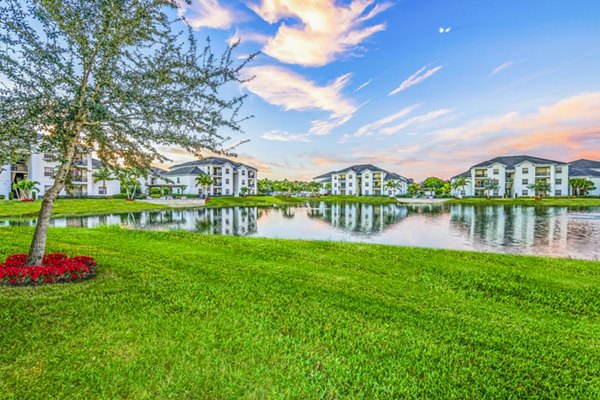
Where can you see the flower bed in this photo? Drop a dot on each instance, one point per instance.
(55, 268)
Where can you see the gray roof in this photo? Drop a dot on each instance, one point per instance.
(466, 174)
(583, 172)
(584, 167)
(213, 161)
(511, 161)
(362, 167)
(191, 170)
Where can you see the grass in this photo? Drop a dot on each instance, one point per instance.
(530, 201)
(180, 315)
(74, 207)
(268, 201)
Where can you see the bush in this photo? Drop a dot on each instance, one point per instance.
(55, 268)
(2, 197)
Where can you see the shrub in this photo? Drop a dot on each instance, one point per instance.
(55, 268)
(2, 197)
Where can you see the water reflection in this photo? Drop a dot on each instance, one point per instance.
(552, 231)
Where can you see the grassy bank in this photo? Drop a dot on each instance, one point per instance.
(268, 201)
(530, 201)
(74, 207)
(180, 315)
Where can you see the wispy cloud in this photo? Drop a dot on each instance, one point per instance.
(248, 37)
(281, 136)
(284, 88)
(416, 120)
(373, 127)
(364, 85)
(445, 30)
(206, 14)
(502, 67)
(416, 78)
(327, 30)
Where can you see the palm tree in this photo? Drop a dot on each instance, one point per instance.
(541, 187)
(24, 189)
(244, 191)
(490, 185)
(581, 186)
(102, 175)
(204, 181)
(459, 183)
(391, 186)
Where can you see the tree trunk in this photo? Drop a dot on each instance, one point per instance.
(38, 243)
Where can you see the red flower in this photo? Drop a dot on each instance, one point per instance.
(56, 267)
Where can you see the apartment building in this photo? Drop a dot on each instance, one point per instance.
(41, 168)
(513, 175)
(586, 169)
(228, 177)
(364, 180)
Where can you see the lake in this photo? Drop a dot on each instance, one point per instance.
(546, 231)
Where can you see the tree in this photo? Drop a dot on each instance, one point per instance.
(391, 186)
(25, 188)
(102, 175)
(490, 185)
(459, 184)
(433, 184)
(130, 181)
(328, 187)
(541, 187)
(204, 181)
(581, 186)
(114, 77)
(414, 189)
(265, 186)
(244, 191)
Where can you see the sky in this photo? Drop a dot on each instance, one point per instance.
(418, 87)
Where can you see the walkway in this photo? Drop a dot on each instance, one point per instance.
(177, 203)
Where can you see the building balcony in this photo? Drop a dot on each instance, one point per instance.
(19, 168)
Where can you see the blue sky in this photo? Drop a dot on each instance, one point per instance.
(418, 87)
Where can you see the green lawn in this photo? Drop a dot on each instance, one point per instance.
(181, 315)
(530, 201)
(74, 207)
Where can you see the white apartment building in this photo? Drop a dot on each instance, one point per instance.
(586, 169)
(514, 174)
(229, 177)
(364, 180)
(41, 167)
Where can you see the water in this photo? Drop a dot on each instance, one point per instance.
(547, 231)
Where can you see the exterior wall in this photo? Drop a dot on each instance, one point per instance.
(525, 174)
(365, 183)
(5, 181)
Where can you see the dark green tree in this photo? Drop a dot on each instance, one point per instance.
(117, 77)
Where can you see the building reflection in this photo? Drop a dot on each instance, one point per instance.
(509, 226)
(363, 218)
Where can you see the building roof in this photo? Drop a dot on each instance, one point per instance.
(191, 170)
(363, 167)
(583, 172)
(213, 161)
(466, 174)
(511, 161)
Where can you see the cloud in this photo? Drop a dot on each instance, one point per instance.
(373, 127)
(419, 119)
(502, 67)
(248, 37)
(325, 30)
(280, 136)
(416, 78)
(286, 89)
(364, 85)
(205, 14)
(445, 30)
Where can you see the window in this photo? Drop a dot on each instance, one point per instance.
(227, 170)
(227, 181)
(558, 170)
(48, 171)
(558, 181)
(525, 192)
(350, 184)
(367, 192)
(227, 190)
(243, 182)
(525, 170)
(367, 184)
(178, 180)
(243, 172)
(101, 190)
(525, 181)
(558, 192)
(335, 185)
(496, 171)
(49, 157)
(367, 176)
